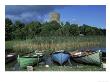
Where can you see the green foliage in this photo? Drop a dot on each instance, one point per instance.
(19, 30)
(54, 43)
(49, 29)
(8, 29)
(32, 29)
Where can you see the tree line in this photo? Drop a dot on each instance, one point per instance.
(20, 30)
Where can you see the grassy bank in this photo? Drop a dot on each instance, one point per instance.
(55, 43)
(79, 67)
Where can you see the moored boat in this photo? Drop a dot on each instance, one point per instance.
(60, 56)
(88, 57)
(10, 57)
(29, 59)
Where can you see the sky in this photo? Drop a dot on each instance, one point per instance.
(93, 15)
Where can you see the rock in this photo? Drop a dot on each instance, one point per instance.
(46, 65)
(104, 65)
(29, 68)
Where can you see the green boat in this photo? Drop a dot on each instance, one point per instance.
(93, 58)
(29, 60)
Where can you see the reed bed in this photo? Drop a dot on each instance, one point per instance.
(55, 43)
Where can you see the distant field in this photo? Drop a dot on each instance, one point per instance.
(55, 43)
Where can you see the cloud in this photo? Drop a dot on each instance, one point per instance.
(26, 17)
(27, 13)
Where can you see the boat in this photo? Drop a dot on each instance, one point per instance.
(60, 56)
(88, 57)
(104, 57)
(29, 59)
(10, 57)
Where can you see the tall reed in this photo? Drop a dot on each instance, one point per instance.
(55, 43)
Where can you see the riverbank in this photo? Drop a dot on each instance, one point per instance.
(13, 66)
(50, 44)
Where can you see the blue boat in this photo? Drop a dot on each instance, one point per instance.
(60, 57)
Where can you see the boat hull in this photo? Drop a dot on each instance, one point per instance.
(11, 58)
(60, 57)
(25, 61)
(94, 58)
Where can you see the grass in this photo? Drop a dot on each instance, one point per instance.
(55, 43)
(69, 68)
(50, 44)
(79, 67)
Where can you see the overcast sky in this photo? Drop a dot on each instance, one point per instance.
(94, 15)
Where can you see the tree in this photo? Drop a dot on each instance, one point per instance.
(74, 29)
(65, 29)
(32, 29)
(19, 24)
(19, 30)
(8, 29)
(50, 28)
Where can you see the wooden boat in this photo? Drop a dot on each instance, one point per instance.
(104, 57)
(88, 57)
(29, 59)
(60, 56)
(10, 57)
